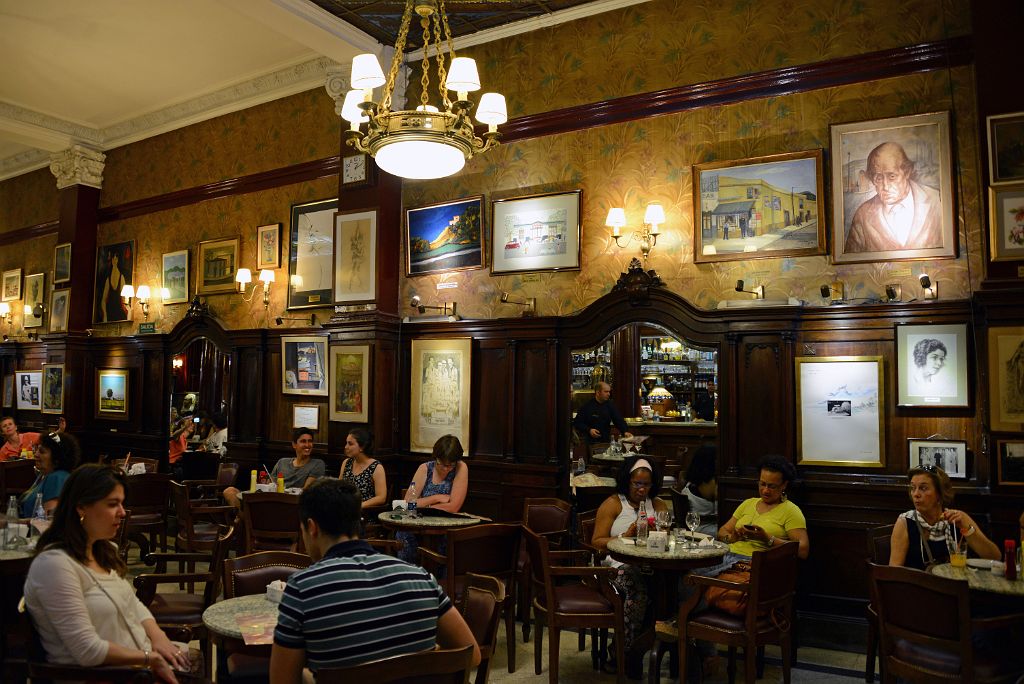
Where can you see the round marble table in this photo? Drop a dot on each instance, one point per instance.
(221, 617)
(677, 557)
(426, 524)
(981, 579)
(15, 554)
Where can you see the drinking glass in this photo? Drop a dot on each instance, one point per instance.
(692, 522)
(663, 520)
(957, 551)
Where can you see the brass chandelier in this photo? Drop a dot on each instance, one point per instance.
(430, 141)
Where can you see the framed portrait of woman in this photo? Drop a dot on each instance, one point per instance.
(115, 265)
(931, 364)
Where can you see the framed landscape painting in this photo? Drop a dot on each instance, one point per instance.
(53, 388)
(355, 256)
(218, 262)
(62, 263)
(931, 363)
(112, 393)
(444, 237)
(304, 365)
(11, 285)
(440, 396)
(350, 383)
(115, 268)
(311, 257)
(1006, 378)
(174, 276)
(536, 233)
(1006, 148)
(28, 385)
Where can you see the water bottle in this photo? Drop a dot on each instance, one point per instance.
(641, 526)
(38, 515)
(410, 499)
(11, 519)
(581, 466)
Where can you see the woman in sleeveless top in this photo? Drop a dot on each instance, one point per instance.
(367, 473)
(441, 483)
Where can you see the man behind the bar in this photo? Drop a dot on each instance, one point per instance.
(594, 419)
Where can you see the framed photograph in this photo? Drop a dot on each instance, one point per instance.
(62, 263)
(11, 285)
(59, 308)
(53, 388)
(268, 246)
(758, 208)
(218, 262)
(8, 391)
(839, 419)
(1006, 222)
(440, 392)
(444, 237)
(174, 276)
(1011, 461)
(115, 268)
(1006, 148)
(112, 393)
(304, 365)
(35, 293)
(536, 233)
(892, 190)
(350, 383)
(948, 454)
(28, 385)
(355, 256)
(1006, 378)
(357, 171)
(306, 415)
(311, 259)
(931, 363)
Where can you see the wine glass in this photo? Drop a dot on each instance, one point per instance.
(663, 520)
(692, 522)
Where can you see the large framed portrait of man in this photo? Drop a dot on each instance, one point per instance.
(892, 190)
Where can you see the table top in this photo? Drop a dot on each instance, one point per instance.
(677, 557)
(591, 480)
(982, 579)
(14, 554)
(221, 616)
(401, 520)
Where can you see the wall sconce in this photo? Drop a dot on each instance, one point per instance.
(143, 294)
(177, 362)
(931, 289)
(647, 235)
(530, 303)
(893, 293)
(451, 315)
(244, 276)
(758, 291)
(835, 292)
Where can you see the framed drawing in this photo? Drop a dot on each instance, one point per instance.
(11, 285)
(174, 276)
(892, 190)
(311, 259)
(304, 365)
(931, 363)
(444, 237)
(28, 385)
(350, 383)
(8, 391)
(59, 310)
(268, 246)
(53, 388)
(536, 233)
(440, 392)
(62, 263)
(840, 411)
(355, 256)
(35, 293)
(1006, 222)
(306, 415)
(218, 261)
(1005, 148)
(112, 393)
(1006, 378)
(757, 208)
(115, 267)
(948, 454)
(1011, 461)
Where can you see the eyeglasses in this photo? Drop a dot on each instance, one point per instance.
(769, 485)
(639, 485)
(927, 467)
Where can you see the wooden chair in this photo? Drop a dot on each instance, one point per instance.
(680, 505)
(227, 474)
(152, 464)
(481, 607)
(16, 477)
(147, 496)
(196, 534)
(879, 545)
(550, 518)
(271, 521)
(429, 667)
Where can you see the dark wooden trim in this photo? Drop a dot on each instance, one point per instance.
(871, 66)
(12, 237)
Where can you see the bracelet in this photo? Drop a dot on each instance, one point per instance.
(771, 541)
(146, 662)
(969, 531)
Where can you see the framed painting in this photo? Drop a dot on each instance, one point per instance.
(35, 293)
(758, 208)
(174, 276)
(62, 263)
(311, 258)
(28, 385)
(1006, 222)
(53, 388)
(11, 285)
(112, 393)
(306, 416)
(350, 383)
(218, 262)
(536, 233)
(444, 237)
(115, 268)
(1005, 148)
(59, 310)
(8, 391)
(840, 411)
(892, 190)
(1006, 378)
(440, 393)
(948, 454)
(304, 365)
(931, 363)
(355, 256)
(1011, 461)
(268, 246)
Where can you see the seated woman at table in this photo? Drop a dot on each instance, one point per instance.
(440, 483)
(56, 456)
(920, 535)
(638, 481)
(365, 472)
(701, 490)
(84, 609)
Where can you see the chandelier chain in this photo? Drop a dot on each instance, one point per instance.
(442, 74)
(396, 60)
(425, 63)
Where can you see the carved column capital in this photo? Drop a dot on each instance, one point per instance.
(78, 165)
(337, 85)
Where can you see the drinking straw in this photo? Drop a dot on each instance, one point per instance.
(127, 458)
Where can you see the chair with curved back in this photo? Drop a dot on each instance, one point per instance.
(227, 474)
(198, 524)
(451, 666)
(271, 521)
(147, 496)
(481, 607)
(548, 517)
(879, 545)
(16, 476)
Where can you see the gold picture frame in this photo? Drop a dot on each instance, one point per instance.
(440, 392)
(350, 383)
(112, 393)
(53, 388)
(1005, 362)
(218, 262)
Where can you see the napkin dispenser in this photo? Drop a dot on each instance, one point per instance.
(275, 591)
(657, 541)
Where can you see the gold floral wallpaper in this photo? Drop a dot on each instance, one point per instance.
(27, 200)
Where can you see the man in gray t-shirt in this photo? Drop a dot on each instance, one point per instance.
(298, 471)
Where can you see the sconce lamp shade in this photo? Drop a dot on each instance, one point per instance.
(366, 72)
(143, 292)
(492, 109)
(127, 292)
(266, 276)
(616, 217)
(350, 110)
(655, 214)
(243, 276)
(28, 310)
(462, 75)
(5, 309)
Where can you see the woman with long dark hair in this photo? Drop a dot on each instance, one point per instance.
(362, 469)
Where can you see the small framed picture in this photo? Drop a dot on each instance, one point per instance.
(306, 416)
(53, 388)
(174, 276)
(931, 362)
(1006, 222)
(536, 233)
(1006, 148)
(35, 292)
(1005, 368)
(1011, 461)
(268, 246)
(443, 237)
(355, 256)
(62, 263)
(304, 365)
(112, 393)
(11, 285)
(8, 391)
(218, 261)
(59, 310)
(28, 387)
(948, 454)
(350, 383)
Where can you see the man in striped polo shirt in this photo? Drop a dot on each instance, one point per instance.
(354, 605)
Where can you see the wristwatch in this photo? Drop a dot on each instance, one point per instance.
(771, 541)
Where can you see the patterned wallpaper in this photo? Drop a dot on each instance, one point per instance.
(27, 200)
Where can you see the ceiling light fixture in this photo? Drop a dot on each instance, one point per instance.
(429, 141)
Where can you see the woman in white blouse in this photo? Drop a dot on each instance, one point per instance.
(86, 613)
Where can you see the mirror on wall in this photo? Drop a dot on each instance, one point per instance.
(679, 379)
(200, 382)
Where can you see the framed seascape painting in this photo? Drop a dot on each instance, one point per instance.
(8, 391)
(35, 293)
(1006, 378)
(948, 454)
(311, 257)
(350, 383)
(840, 411)
(304, 365)
(1011, 461)
(931, 362)
(355, 256)
(28, 385)
(762, 207)
(115, 267)
(1006, 148)
(892, 190)
(1006, 222)
(536, 233)
(112, 393)
(11, 285)
(62, 263)
(53, 388)
(218, 261)
(59, 310)
(268, 246)
(444, 237)
(440, 394)
(174, 276)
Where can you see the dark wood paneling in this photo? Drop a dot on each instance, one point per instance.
(534, 402)
(29, 233)
(491, 401)
(761, 410)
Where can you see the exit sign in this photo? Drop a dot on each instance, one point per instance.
(145, 328)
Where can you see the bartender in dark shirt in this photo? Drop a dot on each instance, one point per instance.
(593, 420)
